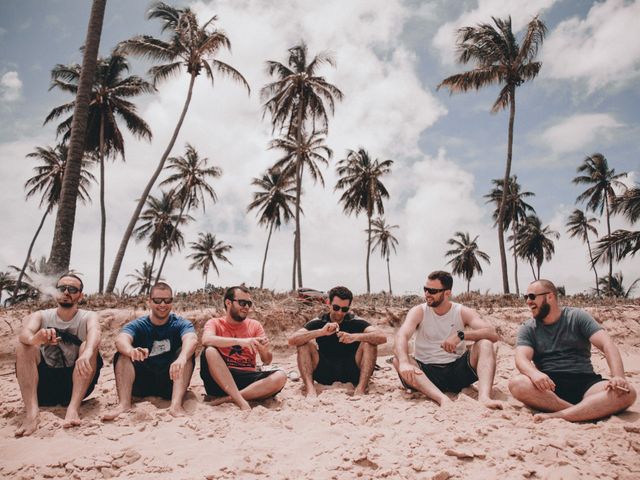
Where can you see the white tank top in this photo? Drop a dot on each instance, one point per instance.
(64, 354)
(433, 330)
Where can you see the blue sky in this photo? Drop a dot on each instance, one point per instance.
(390, 57)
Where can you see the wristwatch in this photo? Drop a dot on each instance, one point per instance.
(460, 334)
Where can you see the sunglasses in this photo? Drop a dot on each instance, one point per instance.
(166, 301)
(433, 291)
(67, 288)
(337, 308)
(244, 303)
(532, 296)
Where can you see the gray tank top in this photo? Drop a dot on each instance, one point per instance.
(65, 353)
(433, 330)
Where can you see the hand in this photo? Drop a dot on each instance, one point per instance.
(139, 354)
(175, 370)
(83, 364)
(618, 385)
(329, 329)
(409, 372)
(542, 381)
(344, 337)
(46, 336)
(252, 343)
(263, 342)
(450, 343)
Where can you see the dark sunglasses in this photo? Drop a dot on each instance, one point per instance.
(337, 308)
(244, 303)
(532, 296)
(166, 301)
(67, 288)
(433, 291)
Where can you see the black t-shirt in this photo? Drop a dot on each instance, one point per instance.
(330, 346)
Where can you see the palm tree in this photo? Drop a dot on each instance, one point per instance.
(382, 237)
(273, 204)
(516, 210)
(621, 243)
(205, 252)
(109, 95)
(33, 275)
(579, 225)
(141, 278)
(535, 243)
(465, 255)
(160, 224)
(601, 193)
(499, 60)
(47, 181)
(301, 152)
(297, 98)
(192, 47)
(7, 283)
(66, 215)
(190, 180)
(363, 190)
(613, 287)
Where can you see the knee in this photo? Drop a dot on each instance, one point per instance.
(304, 348)
(395, 363)
(631, 397)
(485, 346)
(369, 348)
(26, 352)
(279, 379)
(212, 353)
(518, 385)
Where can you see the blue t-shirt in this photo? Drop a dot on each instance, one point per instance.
(563, 346)
(163, 341)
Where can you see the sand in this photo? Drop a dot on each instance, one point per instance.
(389, 433)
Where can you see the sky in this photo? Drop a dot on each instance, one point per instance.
(390, 56)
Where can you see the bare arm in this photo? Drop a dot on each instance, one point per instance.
(404, 333)
(524, 363)
(189, 343)
(480, 328)
(210, 339)
(93, 334)
(603, 342)
(370, 335)
(32, 334)
(264, 351)
(303, 335)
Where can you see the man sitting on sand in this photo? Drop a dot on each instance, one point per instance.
(441, 362)
(228, 361)
(553, 355)
(345, 347)
(156, 355)
(57, 359)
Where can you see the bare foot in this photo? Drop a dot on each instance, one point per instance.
(311, 391)
(445, 402)
(358, 392)
(119, 410)
(541, 417)
(177, 411)
(71, 419)
(492, 404)
(29, 426)
(220, 400)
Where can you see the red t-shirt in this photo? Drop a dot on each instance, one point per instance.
(236, 356)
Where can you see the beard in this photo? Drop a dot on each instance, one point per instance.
(543, 311)
(65, 304)
(237, 316)
(435, 303)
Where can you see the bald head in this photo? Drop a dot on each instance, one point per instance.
(546, 285)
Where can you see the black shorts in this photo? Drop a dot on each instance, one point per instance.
(450, 377)
(56, 384)
(242, 378)
(571, 387)
(152, 378)
(336, 369)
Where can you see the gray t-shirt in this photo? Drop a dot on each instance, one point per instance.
(66, 352)
(563, 346)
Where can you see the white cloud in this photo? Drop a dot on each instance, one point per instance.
(10, 87)
(579, 132)
(521, 14)
(601, 49)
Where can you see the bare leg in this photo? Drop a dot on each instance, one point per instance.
(260, 390)
(426, 386)
(27, 360)
(179, 390)
(366, 356)
(483, 360)
(80, 385)
(523, 389)
(308, 360)
(221, 374)
(125, 376)
(598, 402)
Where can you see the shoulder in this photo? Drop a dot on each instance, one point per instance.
(179, 322)
(213, 322)
(138, 322)
(528, 325)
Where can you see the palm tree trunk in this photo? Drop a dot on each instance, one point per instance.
(65, 219)
(389, 276)
(593, 266)
(515, 258)
(153, 261)
(103, 211)
(468, 284)
(264, 261)
(606, 206)
(205, 282)
(533, 272)
(368, 251)
(171, 237)
(298, 233)
(26, 262)
(295, 261)
(117, 264)
(539, 265)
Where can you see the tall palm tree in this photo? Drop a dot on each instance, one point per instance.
(141, 278)
(535, 243)
(47, 181)
(7, 283)
(159, 224)
(205, 252)
(29, 289)
(579, 225)
(622, 243)
(66, 215)
(382, 237)
(613, 287)
(363, 190)
(273, 204)
(601, 193)
(466, 256)
(190, 185)
(516, 210)
(499, 60)
(109, 102)
(191, 46)
(298, 101)
(304, 151)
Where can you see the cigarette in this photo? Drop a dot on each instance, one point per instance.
(622, 389)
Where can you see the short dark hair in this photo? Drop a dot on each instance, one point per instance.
(548, 285)
(230, 293)
(160, 286)
(445, 278)
(72, 275)
(341, 292)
